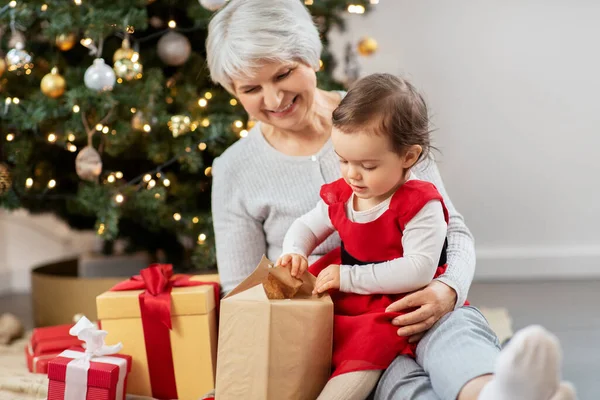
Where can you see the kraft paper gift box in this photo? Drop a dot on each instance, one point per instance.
(168, 324)
(273, 349)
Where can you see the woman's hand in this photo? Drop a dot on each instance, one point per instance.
(432, 303)
(328, 279)
(297, 263)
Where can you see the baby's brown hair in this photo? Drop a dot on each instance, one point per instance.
(386, 105)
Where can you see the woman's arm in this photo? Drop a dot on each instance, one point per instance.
(461, 248)
(239, 236)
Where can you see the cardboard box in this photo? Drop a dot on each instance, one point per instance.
(193, 339)
(273, 349)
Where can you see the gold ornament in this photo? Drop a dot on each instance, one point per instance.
(2, 65)
(88, 164)
(53, 84)
(179, 124)
(367, 46)
(124, 52)
(5, 179)
(66, 41)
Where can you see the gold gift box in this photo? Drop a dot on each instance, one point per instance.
(193, 337)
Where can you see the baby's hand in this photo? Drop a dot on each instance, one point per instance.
(297, 263)
(328, 279)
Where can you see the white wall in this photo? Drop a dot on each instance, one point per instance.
(27, 241)
(513, 87)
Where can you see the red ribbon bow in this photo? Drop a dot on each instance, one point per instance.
(155, 307)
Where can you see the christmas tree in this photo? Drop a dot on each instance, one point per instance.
(110, 120)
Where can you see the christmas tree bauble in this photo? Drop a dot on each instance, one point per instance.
(5, 179)
(2, 66)
(174, 49)
(53, 84)
(124, 52)
(213, 5)
(15, 38)
(367, 46)
(127, 69)
(66, 41)
(17, 58)
(88, 164)
(99, 76)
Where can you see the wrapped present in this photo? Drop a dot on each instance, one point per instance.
(168, 324)
(272, 348)
(96, 373)
(45, 344)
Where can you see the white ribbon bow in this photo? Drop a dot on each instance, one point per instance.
(95, 349)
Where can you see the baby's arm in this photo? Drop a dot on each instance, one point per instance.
(422, 240)
(304, 235)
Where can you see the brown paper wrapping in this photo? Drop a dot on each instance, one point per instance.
(273, 349)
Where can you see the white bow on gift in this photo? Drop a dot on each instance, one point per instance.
(96, 350)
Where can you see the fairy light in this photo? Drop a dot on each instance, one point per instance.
(177, 217)
(86, 42)
(151, 184)
(243, 133)
(119, 175)
(119, 80)
(51, 184)
(158, 174)
(135, 57)
(16, 100)
(205, 122)
(157, 195)
(99, 127)
(147, 178)
(71, 137)
(101, 228)
(76, 108)
(208, 171)
(172, 24)
(113, 132)
(166, 182)
(119, 198)
(147, 128)
(238, 124)
(105, 130)
(308, 2)
(321, 64)
(133, 110)
(202, 146)
(44, 7)
(71, 147)
(356, 9)
(10, 137)
(208, 95)
(8, 101)
(77, 2)
(111, 178)
(195, 220)
(201, 238)
(202, 102)
(52, 138)
(12, 4)
(29, 183)
(233, 102)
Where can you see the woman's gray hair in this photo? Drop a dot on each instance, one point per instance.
(245, 34)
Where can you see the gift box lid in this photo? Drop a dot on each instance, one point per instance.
(101, 375)
(191, 300)
(53, 345)
(49, 333)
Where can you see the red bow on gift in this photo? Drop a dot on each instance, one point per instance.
(155, 306)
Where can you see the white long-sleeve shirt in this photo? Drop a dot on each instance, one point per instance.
(422, 241)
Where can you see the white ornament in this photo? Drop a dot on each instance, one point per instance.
(213, 5)
(174, 48)
(99, 76)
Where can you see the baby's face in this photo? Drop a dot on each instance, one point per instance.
(368, 164)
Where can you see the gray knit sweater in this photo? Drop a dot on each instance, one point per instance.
(257, 192)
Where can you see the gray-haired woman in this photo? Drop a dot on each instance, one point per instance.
(266, 54)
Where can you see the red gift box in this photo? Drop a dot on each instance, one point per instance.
(103, 378)
(45, 344)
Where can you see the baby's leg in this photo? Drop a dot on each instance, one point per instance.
(351, 386)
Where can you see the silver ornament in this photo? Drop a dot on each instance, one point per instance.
(99, 76)
(174, 49)
(88, 164)
(212, 5)
(17, 58)
(127, 69)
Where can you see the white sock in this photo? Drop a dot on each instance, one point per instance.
(528, 368)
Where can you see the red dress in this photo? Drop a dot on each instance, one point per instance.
(363, 336)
